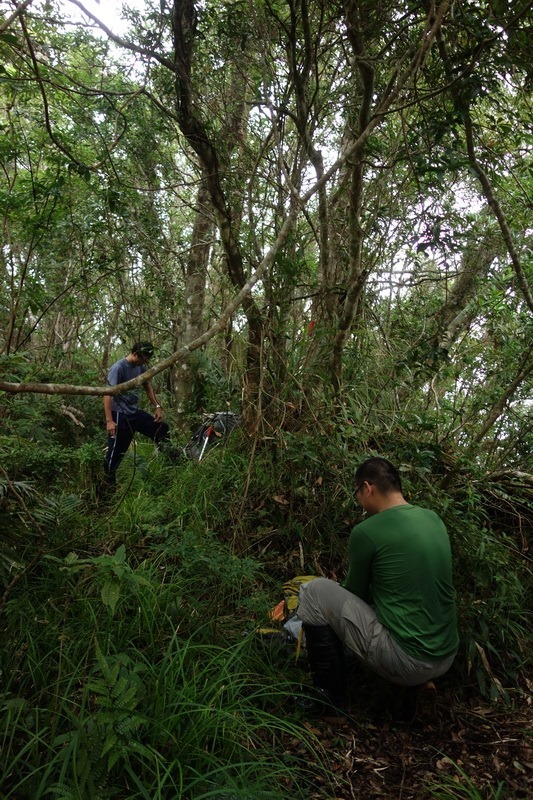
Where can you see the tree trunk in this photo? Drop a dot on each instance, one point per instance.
(195, 285)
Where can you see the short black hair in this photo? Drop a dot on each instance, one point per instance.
(143, 349)
(381, 473)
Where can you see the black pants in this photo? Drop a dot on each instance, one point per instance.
(117, 446)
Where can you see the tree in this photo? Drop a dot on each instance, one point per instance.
(343, 143)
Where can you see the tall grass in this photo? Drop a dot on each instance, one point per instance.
(195, 723)
(132, 667)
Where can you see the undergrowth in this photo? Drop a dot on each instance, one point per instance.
(119, 682)
(130, 664)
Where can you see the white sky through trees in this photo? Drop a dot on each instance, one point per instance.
(108, 11)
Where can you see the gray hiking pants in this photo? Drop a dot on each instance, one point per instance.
(324, 602)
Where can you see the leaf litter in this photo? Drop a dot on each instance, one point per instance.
(472, 745)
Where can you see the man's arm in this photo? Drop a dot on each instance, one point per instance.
(360, 556)
(111, 425)
(113, 377)
(158, 413)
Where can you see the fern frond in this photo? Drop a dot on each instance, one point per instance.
(109, 672)
(64, 791)
(126, 698)
(24, 488)
(110, 742)
(58, 510)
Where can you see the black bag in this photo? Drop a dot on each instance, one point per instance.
(214, 428)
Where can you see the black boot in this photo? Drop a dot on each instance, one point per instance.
(415, 703)
(325, 652)
(107, 486)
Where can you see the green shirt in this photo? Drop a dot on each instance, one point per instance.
(401, 558)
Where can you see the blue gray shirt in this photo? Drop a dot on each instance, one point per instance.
(121, 372)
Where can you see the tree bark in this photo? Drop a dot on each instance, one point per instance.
(193, 128)
(195, 286)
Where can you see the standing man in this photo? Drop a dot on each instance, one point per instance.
(123, 417)
(396, 609)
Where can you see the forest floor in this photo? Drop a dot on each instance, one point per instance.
(462, 745)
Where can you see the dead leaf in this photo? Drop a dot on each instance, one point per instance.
(443, 763)
(280, 499)
(482, 712)
(310, 728)
(526, 751)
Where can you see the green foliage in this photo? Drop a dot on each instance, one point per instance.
(112, 573)
(492, 588)
(212, 388)
(128, 674)
(180, 716)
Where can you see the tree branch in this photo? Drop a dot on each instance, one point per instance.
(496, 208)
(526, 368)
(463, 107)
(135, 48)
(7, 22)
(47, 122)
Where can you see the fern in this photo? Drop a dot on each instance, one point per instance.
(64, 792)
(58, 510)
(110, 673)
(25, 489)
(115, 723)
(110, 742)
(9, 563)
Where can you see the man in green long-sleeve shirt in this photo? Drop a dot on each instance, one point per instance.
(400, 559)
(396, 609)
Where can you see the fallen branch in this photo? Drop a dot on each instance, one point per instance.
(71, 412)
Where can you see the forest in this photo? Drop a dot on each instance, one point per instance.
(319, 213)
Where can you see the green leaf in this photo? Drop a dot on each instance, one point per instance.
(110, 593)
(120, 555)
(10, 38)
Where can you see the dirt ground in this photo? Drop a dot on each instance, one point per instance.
(461, 743)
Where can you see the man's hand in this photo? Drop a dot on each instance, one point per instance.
(111, 428)
(158, 413)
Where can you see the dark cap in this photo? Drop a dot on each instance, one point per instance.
(145, 349)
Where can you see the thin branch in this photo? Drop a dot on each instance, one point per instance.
(42, 89)
(123, 42)
(526, 368)
(496, 208)
(7, 22)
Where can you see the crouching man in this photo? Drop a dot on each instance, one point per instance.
(396, 609)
